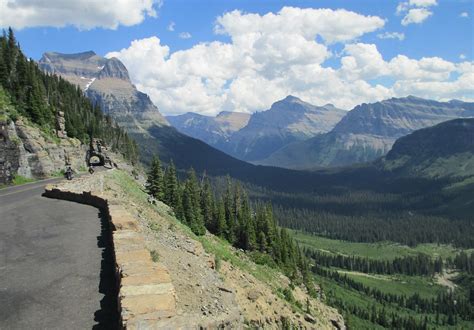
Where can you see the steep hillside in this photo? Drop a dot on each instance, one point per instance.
(288, 120)
(446, 149)
(215, 285)
(215, 131)
(368, 131)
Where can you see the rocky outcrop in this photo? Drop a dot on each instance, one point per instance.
(27, 151)
(61, 125)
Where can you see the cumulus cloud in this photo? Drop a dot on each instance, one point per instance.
(416, 16)
(464, 14)
(331, 25)
(416, 10)
(462, 56)
(171, 26)
(391, 35)
(268, 58)
(185, 35)
(83, 14)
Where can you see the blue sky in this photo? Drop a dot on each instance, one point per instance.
(443, 34)
(446, 33)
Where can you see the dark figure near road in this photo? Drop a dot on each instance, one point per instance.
(68, 173)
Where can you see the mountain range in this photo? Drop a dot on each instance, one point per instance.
(368, 132)
(292, 133)
(263, 133)
(215, 131)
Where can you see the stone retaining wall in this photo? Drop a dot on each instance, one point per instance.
(146, 295)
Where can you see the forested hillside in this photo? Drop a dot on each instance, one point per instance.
(39, 97)
(247, 226)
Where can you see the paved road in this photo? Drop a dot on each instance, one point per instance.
(55, 266)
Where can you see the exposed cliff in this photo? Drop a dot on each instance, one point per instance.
(27, 151)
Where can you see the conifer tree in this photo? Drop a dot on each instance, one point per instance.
(219, 215)
(207, 205)
(171, 187)
(154, 184)
(191, 204)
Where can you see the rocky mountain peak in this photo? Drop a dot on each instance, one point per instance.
(114, 68)
(107, 83)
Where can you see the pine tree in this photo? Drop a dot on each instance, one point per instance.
(191, 204)
(171, 186)
(207, 206)
(219, 215)
(154, 184)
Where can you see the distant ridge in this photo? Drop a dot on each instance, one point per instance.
(288, 120)
(368, 132)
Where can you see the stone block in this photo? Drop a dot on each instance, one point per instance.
(146, 289)
(123, 257)
(147, 303)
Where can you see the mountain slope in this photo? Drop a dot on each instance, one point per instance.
(215, 131)
(287, 120)
(257, 136)
(446, 149)
(368, 132)
(107, 83)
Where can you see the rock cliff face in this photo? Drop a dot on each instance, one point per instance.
(107, 83)
(26, 151)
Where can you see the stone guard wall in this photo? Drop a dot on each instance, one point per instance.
(146, 294)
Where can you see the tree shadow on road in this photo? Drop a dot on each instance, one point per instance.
(107, 317)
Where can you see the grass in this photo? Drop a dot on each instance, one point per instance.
(154, 256)
(399, 284)
(354, 298)
(19, 180)
(379, 251)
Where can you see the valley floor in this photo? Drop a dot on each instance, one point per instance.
(363, 297)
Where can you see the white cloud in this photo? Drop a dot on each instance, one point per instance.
(171, 26)
(391, 35)
(423, 3)
(271, 56)
(416, 16)
(402, 7)
(83, 14)
(462, 56)
(185, 35)
(332, 25)
(464, 14)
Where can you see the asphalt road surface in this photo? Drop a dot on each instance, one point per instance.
(56, 268)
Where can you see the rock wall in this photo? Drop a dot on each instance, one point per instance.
(26, 151)
(146, 295)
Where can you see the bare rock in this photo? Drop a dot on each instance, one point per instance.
(253, 295)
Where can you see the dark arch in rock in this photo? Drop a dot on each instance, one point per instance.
(90, 154)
